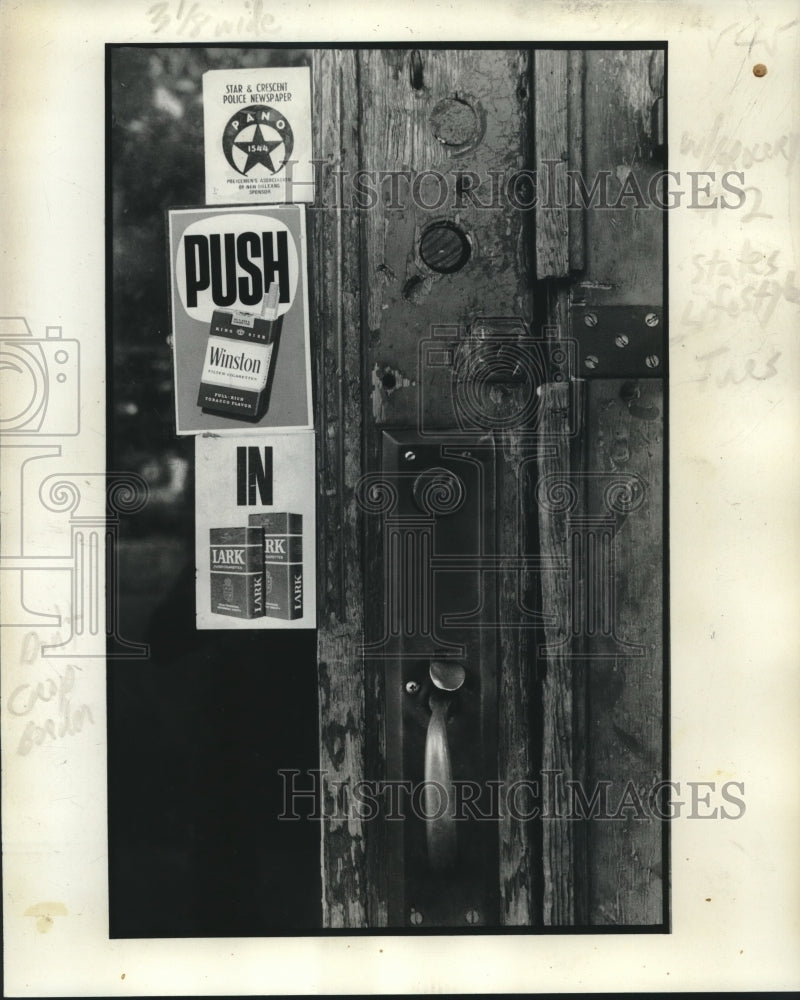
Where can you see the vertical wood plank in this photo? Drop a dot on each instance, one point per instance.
(626, 695)
(405, 301)
(560, 864)
(603, 718)
(551, 129)
(624, 245)
(625, 427)
(575, 124)
(516, 677)
(337, 355)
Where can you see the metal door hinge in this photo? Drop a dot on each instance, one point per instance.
(619, 341)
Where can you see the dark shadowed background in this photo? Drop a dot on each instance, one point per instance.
(198, 730)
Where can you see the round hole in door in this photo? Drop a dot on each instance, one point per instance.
(454, 122)
(445, 247)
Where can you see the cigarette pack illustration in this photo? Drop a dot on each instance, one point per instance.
(260, 490)
(257, 135)
(283, 563)
(240, 361)
(240, 332)
(237, 572)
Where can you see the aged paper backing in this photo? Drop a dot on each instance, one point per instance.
(735, 536)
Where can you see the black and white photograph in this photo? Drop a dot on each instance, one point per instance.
(490, 371)
(398, 553)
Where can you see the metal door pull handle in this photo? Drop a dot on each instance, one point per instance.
(438, 788)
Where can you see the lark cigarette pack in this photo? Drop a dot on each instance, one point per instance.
(237, 572)
(283, 563)
(240, 361)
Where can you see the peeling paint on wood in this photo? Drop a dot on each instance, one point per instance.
(385, 381)
(595, 720)
(624, 247)
(405, 129)
(559, 861)
(603, 720)
(336, 303)
(627, 716)
(551, 103)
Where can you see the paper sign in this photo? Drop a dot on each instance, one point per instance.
(254, 531)
(257, 135)
(240, 319)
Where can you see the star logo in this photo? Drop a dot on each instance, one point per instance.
(258, 138)
(258, 151)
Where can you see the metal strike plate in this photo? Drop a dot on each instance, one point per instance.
(438, 536)
(619, 341)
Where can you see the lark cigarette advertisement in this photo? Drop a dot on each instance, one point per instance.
(240, 332)
(257, 133)
(254, 530)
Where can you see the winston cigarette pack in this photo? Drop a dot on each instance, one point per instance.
(240, 334)
(239, 361)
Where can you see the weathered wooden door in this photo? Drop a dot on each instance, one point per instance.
(487, 269)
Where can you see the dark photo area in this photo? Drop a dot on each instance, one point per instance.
(199, 727)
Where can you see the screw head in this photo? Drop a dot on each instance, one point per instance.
(412, 687)
(651, 319)
(409, 456)
(415, 917)
(591, 362)
(621, 340)
(472, 916)
(590, 319)
(652, 361)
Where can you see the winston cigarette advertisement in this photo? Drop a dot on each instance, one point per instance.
(240, 319)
